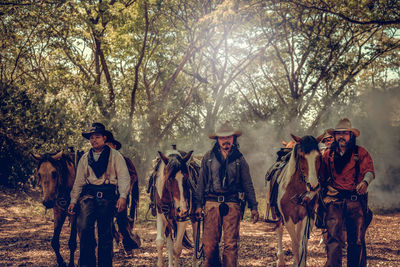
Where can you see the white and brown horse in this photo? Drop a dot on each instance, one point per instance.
(297, 190)
(173, 199)
(56, 174)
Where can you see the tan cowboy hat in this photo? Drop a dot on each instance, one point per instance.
(97, 127)
(344, 125)
(225, 129)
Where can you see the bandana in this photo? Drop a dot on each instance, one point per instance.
(233, 155)
(99, 167)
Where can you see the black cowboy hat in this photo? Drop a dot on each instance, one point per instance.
(111, 139)
(96, 127)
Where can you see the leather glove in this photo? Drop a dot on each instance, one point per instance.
(255, 216)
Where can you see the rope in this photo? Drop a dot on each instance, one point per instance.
(306, 236)
(199, 251)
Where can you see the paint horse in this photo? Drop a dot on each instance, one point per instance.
(56, 176)
(297, 191)
(174, 184)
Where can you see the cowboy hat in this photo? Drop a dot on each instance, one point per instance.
(111, 139)
(225, 129)
(344, 125)
(97, 127)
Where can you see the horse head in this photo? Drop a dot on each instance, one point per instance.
(49, 172)
(176, 191)
(308, 160)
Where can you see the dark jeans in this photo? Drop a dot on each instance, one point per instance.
(349, 214)
(94, 209)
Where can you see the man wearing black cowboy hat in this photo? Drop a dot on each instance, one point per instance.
(223, 175)
(102, 183)
(348, 171)
(125, 224)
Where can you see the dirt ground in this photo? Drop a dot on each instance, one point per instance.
(25, 234)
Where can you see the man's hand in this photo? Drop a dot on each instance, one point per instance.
(71, 209)
(121, 204)
(198, 213)
(362, 188)
(255, 215)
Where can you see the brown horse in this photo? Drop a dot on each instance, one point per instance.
(175, 179)
(297, 190)
(56, 174)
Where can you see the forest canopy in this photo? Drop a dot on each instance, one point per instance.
(162, 72)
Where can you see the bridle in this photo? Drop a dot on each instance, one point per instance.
(303, 177)
(168, 208)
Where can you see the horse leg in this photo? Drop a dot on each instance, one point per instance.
(294, 237)
(281, 256)
(59, 218)
(194, 231)
(160, 240)
(170, 249)
(72, 241)
(181, 229)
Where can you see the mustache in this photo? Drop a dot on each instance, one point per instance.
(341, 139)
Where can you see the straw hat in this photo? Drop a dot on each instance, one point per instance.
(225, 129)
(96, 127)
(344, 125)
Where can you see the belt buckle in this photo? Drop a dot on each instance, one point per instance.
(221, 199)
(99, 194)
(353, 198)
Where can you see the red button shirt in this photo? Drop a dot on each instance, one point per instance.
(345, 180)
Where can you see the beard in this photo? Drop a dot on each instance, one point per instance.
(226, 145)
(341, 161)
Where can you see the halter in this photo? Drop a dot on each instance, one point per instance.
(61, 196)
(170, 206)
(303, 177)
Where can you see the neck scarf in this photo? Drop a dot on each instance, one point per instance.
(232, 156)
(341, 161)
(99, 167)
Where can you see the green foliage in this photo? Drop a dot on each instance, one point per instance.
(162, 72)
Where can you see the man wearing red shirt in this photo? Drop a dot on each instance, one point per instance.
(348, 170)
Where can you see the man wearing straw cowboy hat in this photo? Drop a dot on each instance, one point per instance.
(102, 183)
(348, 170)
(223, 175)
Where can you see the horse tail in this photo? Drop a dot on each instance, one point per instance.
(186, 242)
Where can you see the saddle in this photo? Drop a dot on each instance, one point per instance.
(271, 177)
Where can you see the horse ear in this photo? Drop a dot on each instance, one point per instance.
(295, 138)
(319, 138)
(187, 156)
(36, 156)
(163, 157)
(57, 156)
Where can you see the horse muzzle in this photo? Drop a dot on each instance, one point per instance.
(48, 204)
(310, 188)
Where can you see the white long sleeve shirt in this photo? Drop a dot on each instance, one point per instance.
(117, 173)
